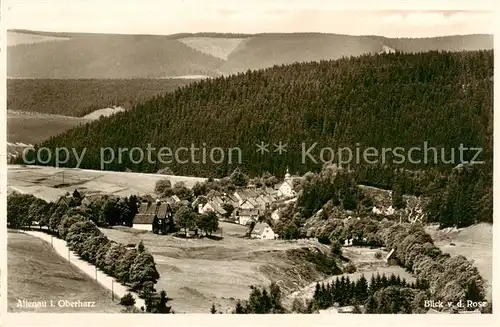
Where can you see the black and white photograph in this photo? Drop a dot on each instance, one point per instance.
(196, 157)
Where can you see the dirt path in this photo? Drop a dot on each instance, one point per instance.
(108, 282)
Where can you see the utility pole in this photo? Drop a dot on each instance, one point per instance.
(51, 240)
(112, 290)
(68, 255)
(95, 273)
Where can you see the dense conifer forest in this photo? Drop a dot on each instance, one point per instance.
(78, 97)
(381, 101)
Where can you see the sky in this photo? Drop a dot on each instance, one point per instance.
(253, 16)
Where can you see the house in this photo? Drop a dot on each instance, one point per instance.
(348, 242)
(264, 232)
(247, 204)
(198, 203)
(155, 217)
(63, 200)
(246, 193)
(391, 258)
(242, 215)
(213, 206)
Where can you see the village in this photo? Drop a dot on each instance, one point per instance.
(247, 206)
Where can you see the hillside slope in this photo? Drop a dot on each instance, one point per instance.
(78, 97)
(78, 55)
(384, 101)
(105, 56)
(37, 273)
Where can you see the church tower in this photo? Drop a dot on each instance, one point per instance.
(288, 177)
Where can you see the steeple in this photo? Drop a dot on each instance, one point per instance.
(287, 175)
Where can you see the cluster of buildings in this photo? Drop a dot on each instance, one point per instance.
(249, 203)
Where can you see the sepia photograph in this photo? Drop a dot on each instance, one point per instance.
(201, 158)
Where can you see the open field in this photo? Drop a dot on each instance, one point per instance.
(199, 272)
(37, 273)
(49, 183)
(15, 38)
(32, 128)
(366, 264)
(103, 112)
(473, 242)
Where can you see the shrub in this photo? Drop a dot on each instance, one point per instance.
(378, 255)
(336, 247)
(350, 268)
(163, 187)
(127, 300)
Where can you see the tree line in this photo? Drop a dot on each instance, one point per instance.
(79, 97)
(449, 277)
(132, 266)
(346, 292)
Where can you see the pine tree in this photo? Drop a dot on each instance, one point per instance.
(474, 292)
(371, 305)
(162, 306)
(361, 290)
(213, 310)
(239, 308)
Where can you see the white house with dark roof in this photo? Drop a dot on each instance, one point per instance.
(153, 217)
(264, 232)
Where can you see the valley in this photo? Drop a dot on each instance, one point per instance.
(276, 230)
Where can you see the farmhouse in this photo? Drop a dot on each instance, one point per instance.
(264, 232)
(156, 217)
(391, 258)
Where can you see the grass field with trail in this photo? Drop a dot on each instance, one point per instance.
(474, 242)
(199, 272)
(37, 273)
(366, 264)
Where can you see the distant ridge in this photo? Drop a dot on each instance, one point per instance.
(88, 55)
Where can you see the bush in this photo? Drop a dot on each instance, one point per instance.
(323, 239)
(350, 268)
(127, 300)
(163, 187)
(336, 248)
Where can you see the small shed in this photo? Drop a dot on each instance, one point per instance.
(391, 258)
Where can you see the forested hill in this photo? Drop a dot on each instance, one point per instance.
(32, 54)
(389, 100)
